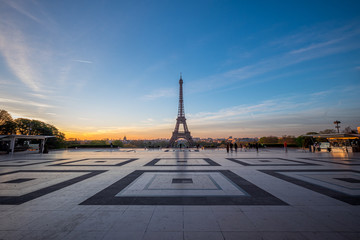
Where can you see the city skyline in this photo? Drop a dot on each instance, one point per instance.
(111, 69)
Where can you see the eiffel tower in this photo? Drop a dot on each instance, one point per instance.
(181, 120)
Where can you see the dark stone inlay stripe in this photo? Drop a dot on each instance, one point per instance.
(126, 161)
(257, 196)
(238, 160)
(353, 200)
(156, 160)
(182, 180)
(16, 200)
(20, 180)
(349, 180)
(336, 161)
(32, 162)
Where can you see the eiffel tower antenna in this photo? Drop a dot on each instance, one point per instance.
(181, 120)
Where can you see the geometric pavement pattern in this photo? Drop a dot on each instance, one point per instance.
(26, 162)
(180, 187)
(343, 185)
(182, 162)
(302, 201)
(341, 161)
(269, 162)
(187, 187)
(24, 185)
(97, 162)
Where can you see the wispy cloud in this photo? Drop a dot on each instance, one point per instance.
(316, 46)
(25, 102)
(272, 107)
(38, 95)
(303, 46)
(82, 61)
(322, 93)
(160, 93)
(17, 55)
(289, 115)
(27, 59)
(18, 7)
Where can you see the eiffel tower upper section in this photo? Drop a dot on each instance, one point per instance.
(181, 112)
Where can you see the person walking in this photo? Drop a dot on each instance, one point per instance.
(227, 147)
(285, 146)
(235, 146)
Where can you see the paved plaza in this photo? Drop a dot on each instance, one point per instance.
(171, 194)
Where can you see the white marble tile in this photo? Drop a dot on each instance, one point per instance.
(203, 236)
(166, 222)
(200, 221)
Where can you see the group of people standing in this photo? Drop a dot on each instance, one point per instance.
(234, 146)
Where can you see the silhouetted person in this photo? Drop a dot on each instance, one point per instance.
(257, 147)
(227, 147)
(231, 146)
(235, 146)
(285, 146)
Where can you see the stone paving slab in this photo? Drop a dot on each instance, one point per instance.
(172, 194)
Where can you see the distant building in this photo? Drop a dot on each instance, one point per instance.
(72, 139)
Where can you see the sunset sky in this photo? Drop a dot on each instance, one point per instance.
(106, 69)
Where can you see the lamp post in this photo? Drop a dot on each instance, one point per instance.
(337, 125)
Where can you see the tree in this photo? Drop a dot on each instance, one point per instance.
(312, 133)
(118, 143)
(349, 130)
(288, 139)
(269, 139)
(9, 127)
(304, 142)
(23, 126)
(31, 127)
(36, 127)
(98, 142)
(5, 117)
(327, 131)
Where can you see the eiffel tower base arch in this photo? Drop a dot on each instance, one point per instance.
(178, 135)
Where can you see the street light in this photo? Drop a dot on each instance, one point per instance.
(337, 125)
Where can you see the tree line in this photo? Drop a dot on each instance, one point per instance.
(25, 126)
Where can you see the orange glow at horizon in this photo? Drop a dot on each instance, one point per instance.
(114, 136)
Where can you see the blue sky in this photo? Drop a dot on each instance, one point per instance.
(102, 69)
